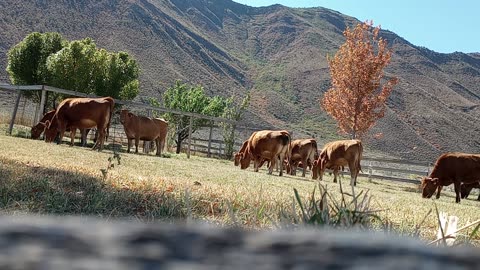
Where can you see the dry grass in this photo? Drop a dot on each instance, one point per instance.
(47, 178)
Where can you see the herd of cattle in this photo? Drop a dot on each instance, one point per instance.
(271, 146)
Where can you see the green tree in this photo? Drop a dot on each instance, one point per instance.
(27, 60)
(49, 59)
(186, 98)
(72, 67)
(115, 75)
(234, 113)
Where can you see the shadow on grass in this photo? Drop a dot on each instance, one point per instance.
(34, 189)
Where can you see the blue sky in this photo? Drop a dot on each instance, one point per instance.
(441, 25)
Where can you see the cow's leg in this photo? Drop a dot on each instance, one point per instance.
(256, 164)
(280, 161)
(129, 143)
(457, 191)
(158, 143)
(273, 163)
(101, 138)
(439, 189)
(84, 132)
(137, 140)
(304, 162)
(335, 173)
(62, 129)
(478, 199)
(72, 135)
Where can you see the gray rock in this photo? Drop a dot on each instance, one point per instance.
(29, 242)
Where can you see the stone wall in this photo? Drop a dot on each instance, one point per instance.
(79, 243)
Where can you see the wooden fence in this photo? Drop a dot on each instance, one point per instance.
(19, 89)
(373, 168)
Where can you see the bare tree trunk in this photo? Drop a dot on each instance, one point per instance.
(179, 143)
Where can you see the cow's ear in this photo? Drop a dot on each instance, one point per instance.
(435, 180)
(130, 115)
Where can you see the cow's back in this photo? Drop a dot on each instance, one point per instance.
(461, 166)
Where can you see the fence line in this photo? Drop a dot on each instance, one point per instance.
(385, 163)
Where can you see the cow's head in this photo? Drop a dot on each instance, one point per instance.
(125, 116)
(237, 157)
(428, 186)
(50, 131)
(245, 161)
(465, 190)
(315, 169)
(319, 165)
(37, 130)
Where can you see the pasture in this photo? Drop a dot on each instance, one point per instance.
(42, 178)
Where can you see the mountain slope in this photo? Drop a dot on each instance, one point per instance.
(279, 54)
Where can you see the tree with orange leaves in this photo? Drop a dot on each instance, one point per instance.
(357, 97)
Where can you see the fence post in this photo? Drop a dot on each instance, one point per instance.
(42, 105)
(189, 136)
(370, 171)
(14, 114)
(210, 140)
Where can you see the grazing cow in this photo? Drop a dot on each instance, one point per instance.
(81, 113)
(465, 189)
(144, 128)
(304, 151)
(238, 155)
(337, 154)
(452, 168)
(240, 152)
(266, 145)
(38, 129)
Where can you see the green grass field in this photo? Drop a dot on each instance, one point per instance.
(42, 178)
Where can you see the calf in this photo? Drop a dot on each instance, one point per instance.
(452, 168)
(81, 113)
(144, 128)
(266, 145)
(38, 129)
(465, 189)
(337, 154)
(302, 151)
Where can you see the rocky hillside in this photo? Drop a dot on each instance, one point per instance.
(277, 53)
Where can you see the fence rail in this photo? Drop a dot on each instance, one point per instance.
(373, 167)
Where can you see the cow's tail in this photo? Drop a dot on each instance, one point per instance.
(359, 156)
(286, 141)
(112, 105)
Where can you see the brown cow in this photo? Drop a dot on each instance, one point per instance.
(38, 129)
(266, 144)
(337, 154)
(465, 190)
(81, 113)
(144, 128)
(238, 155)
(452, 168)
(304, 151)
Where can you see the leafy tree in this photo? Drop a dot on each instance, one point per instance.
(357, 96)
(186, 98)
(72, 67)
(235, 113)
(115, 75)
(78, 65)
(27, 60)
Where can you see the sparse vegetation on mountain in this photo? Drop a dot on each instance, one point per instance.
(357, 97)
(276, 53)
